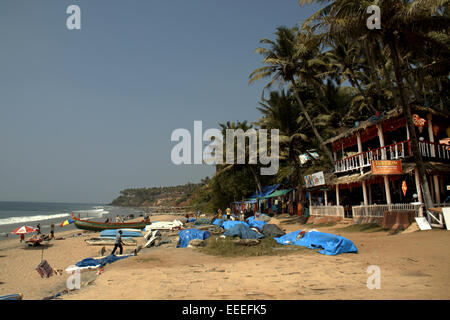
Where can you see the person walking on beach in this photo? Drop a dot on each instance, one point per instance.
(118, 243)
(52, 231)
(38, 229)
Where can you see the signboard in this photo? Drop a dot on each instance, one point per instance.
(386, 167)
(423, 223)
(315, 179)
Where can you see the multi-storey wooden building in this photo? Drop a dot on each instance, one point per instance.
(374, 167)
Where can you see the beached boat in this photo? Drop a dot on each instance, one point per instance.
(111, 242)
(99, 226)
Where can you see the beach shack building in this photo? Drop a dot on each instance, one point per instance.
(271, 200)
(374, 170)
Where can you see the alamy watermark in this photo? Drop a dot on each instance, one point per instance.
(213, 153)
(74, 280)
(374, 21)
(374, 280)
(73, 21)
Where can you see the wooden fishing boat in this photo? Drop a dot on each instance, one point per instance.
(99, 226)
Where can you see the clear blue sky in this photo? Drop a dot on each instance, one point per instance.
(87, 113)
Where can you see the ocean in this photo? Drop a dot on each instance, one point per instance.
(17, 214)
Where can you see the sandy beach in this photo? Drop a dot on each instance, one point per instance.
(413, 266)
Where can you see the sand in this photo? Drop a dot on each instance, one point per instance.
(413, 266)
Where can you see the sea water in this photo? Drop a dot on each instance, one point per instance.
(17, 214)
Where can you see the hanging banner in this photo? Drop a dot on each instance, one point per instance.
(315, 179)
(385, 167)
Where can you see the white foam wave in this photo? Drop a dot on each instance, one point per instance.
(14, 220)
(91, 213)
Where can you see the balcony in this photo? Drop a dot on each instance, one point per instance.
(397, 151)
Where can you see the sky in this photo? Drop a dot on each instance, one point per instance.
(86, 113)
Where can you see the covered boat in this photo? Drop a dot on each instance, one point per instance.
(99, 226)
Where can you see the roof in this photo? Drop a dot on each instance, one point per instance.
(265, 191)
(374, 120)
(279, 193)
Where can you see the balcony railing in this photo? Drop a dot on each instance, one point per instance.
(395, 151)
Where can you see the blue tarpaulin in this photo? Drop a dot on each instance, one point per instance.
(190, 234)
(256, 224)
(265, 191)
(91, 262)
(243, 231)
(329, 243)
(217, 222)
(228, 224)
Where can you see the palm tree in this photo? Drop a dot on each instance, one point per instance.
(290, 59)
(253, 167)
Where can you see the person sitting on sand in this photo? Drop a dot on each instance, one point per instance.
(118, 243)
(52, 231)
(228, 214)
(117, 219)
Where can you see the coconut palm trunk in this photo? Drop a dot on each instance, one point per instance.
(311, 123)
(255, 176)
(412, 132)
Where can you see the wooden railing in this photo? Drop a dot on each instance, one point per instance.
(378, 210)
(327, 211)
(395, 151)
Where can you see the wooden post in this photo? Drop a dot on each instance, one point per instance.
(358, 139)
(381, 138)
(337, 195)
(325, 193)
(418, 190)
(387, 189)
(366, 202)
(431, 135)
(310, 200)
(383, 155)
(437, 189)
(369, 191)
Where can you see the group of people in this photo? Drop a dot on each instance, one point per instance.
(229, 215)
(38, 236)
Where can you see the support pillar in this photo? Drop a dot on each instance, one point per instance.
(364, 188)
(325, 193)
(358, 139)
(369, 191)
(418, 190)
(437, 193)
(387, 190)
(431, 135)
(337, 195)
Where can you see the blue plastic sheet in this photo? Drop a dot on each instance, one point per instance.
(228, 224)
(256, 224)
(217, 222)
(243, 231)
(91, 262)
(329, 243)
(190, 234)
